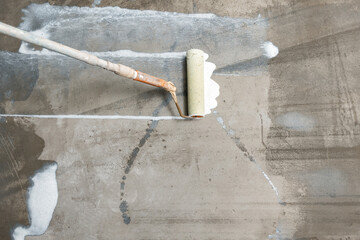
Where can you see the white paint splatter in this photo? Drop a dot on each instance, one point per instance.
(95, 3)
(270, 50)
(105, 117)
(295, 121)
(211, 88)
(221, 121)
(276, 236)
(42, 198)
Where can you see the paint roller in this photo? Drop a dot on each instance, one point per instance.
(195, 69)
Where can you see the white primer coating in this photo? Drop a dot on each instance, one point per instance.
(270, 50)
(42, 198)
(51, 14)
(211, 88)
(105, 117)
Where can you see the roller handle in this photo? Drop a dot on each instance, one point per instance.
(118, 69)
(154, 81)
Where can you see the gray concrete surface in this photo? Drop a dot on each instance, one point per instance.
(278, 160)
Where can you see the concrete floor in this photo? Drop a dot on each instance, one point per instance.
(278, 160)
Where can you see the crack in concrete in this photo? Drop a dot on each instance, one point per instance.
(232, 134)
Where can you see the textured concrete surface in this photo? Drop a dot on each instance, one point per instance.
(278, 160)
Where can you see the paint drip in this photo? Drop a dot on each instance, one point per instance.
(41, 198)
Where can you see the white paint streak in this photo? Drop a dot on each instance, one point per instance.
(270, 182)
(105, 117)
(231, 132)
(42, 198)
(211, 88)
(270, 50)
(129, 53)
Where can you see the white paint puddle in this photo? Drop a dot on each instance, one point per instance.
(41, 198)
